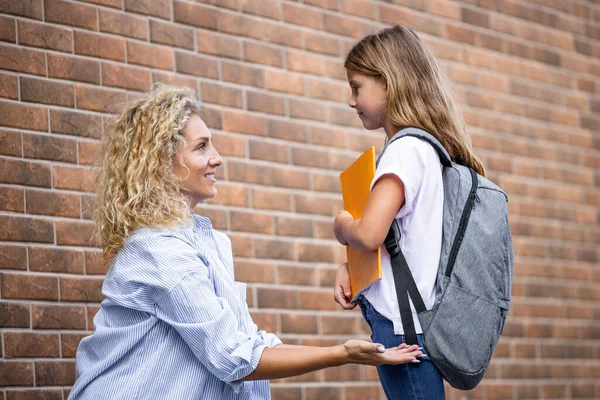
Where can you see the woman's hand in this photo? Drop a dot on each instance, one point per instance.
(341, 289)
(363, 352)
(340, 219)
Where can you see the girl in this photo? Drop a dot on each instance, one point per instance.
(175, 324)
(397, 83)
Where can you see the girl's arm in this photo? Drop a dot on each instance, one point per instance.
(283, 361)
(369, 232)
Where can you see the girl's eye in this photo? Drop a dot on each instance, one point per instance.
(202, 146)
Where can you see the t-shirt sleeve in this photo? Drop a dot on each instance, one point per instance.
(407, 159)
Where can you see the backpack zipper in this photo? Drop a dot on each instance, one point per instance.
(464, 220)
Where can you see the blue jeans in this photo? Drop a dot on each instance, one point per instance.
(421, 381)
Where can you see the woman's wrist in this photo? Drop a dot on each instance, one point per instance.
(341, 355)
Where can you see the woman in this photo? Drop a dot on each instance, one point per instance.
(174, 323)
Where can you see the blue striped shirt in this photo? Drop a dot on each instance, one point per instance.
(174, 323)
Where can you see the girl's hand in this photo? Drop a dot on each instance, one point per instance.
(363, 352)
(340, 218)
(341, 289)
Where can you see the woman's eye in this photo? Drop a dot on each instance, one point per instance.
(202, 146)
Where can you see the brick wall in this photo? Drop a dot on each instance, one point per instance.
(270, 73)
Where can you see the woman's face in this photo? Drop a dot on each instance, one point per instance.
(201, 160)
(368, 98)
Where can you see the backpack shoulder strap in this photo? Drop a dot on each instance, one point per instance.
(423, 135)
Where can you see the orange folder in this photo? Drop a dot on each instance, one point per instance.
(364, 268)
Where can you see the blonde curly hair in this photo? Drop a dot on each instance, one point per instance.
(137, 186)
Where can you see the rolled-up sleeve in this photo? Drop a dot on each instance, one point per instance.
(209, 327)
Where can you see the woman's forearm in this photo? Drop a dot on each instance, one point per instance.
(283, 361)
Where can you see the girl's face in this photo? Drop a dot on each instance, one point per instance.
(369, 99)
(201, 160)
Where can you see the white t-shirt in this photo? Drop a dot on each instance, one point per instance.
(417, 165)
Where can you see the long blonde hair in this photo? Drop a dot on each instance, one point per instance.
(137, 186)
(419, 94)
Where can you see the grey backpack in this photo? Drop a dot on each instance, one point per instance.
(475, 272)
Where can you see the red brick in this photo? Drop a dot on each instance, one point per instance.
(74, 233)
(11, 199)
(51, 259)
(304, 62)
(150, 55)
(291, 178)
(266, 8)
(286, 393)
(89, 153)
(287, 130)
(48, 203)
(240, 25)
(156, 8)
(9, 86)
(327, 4)
(29, 345)
(98, 99)
(73, 68)
(16, 373)
(51, 316)
(251, 222)
(324, 205)
(322, 43)
(59, 373)
(48, 37)
(244, 123)
(73, 14)
(346, 26)
(13, 257)
(242, 74)
(263, 150)
(343, 116)
(266, 103)
(94, 45)
(281, 81)
(254, 272)
(195, 65)
(25, 8)
(91, 313)
(298, 323)
(263, 54)
(221, 94)
(47, 92)
(273, 249)
(294, 227)
(23, 116)
(73, 178)
(8, 29)
(313, 252)
(69, 343)
(24, 173)
(316, 393)
(22, 60)
(231, 194)
(304, 16)
(283, 35)
(108, 3)
(219, 45)
(326, 183)
(290, 275)
(14, 315)
(81, 289)
(29, 287)
(271, 199)
(125, 77)
(231, 4)
(123, 24)
(305, 109)
(195, 15)
(173, 79)
(75, 123)
(171, 35)
(277, 298)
